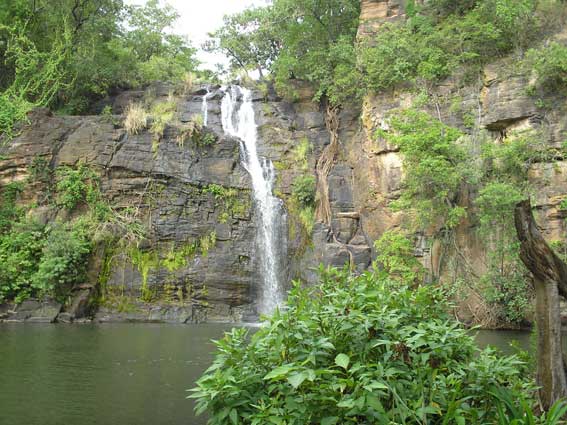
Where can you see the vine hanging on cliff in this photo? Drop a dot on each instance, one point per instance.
(325, 164)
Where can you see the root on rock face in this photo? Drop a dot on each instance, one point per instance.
(325, 164)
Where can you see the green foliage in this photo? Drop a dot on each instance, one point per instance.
(9, 211)
(304, 190)
(162, 114)
(437, 172)
(357, 349)
(247, 38)
(47, 260)
(444, 36)
(68, 54)
(37, 76)
(42, 260)
(307, 219)
(396, 256)
(550, 64)
(300, 154)
(76, 186)
(518, 411)
(20, 253)
(145, 262)
(64, 259)
(511, 159)
(233, 203)
(175, 258)
(436, 167)
(310, 40)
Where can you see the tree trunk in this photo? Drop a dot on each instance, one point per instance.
(550, 279)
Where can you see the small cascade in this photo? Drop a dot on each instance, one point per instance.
(205, 108)
(238, 120)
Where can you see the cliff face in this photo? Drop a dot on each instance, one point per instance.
(492, 108)
(174, 188)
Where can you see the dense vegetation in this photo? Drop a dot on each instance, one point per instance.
(315, 41)
(364, 350)
(47, 259)
(67, 54)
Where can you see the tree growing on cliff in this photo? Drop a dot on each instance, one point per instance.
(311, 40)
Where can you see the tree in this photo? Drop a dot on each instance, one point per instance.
(248, 38)
(311, 40)
(550, 278)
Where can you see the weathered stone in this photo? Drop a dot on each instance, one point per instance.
(39, 312)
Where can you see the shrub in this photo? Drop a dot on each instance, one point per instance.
(396, 256)
(436, 166)
(136, 118)
(20, 252)
(357, 349)
(76, 186)
(550, 65)
(64, 259)
(304, 190)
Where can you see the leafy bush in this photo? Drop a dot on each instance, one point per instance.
(48, 260)
(304, 190)
(68, 55)
(550, 65)
(395, 253)
(357, 350)
(437, 172)
(20, 253)
(76, 186)
(443, 36)
(436, 166)
(64, 259)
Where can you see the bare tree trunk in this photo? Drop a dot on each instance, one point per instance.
(550, 278)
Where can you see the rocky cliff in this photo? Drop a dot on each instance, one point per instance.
(182, 194)
(190, 194)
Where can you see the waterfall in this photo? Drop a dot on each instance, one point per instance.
(238, 120)
(205, 108)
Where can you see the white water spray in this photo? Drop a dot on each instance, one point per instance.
(205, 108)
(238, 120)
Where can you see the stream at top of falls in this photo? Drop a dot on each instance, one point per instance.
(238, 120)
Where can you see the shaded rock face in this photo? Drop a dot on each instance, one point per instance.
(167, 182)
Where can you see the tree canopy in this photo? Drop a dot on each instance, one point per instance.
(69, 53)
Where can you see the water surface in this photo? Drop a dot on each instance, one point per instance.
(116, 374)
(112, 374)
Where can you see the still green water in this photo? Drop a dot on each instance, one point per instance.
(114, 374)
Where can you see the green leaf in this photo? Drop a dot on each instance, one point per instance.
(329, 420)
(234, 416)
(279, 372)
(342, 360)
(348, 403)
(297, 379)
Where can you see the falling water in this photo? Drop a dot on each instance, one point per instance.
(238, 121)
(205, 108)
